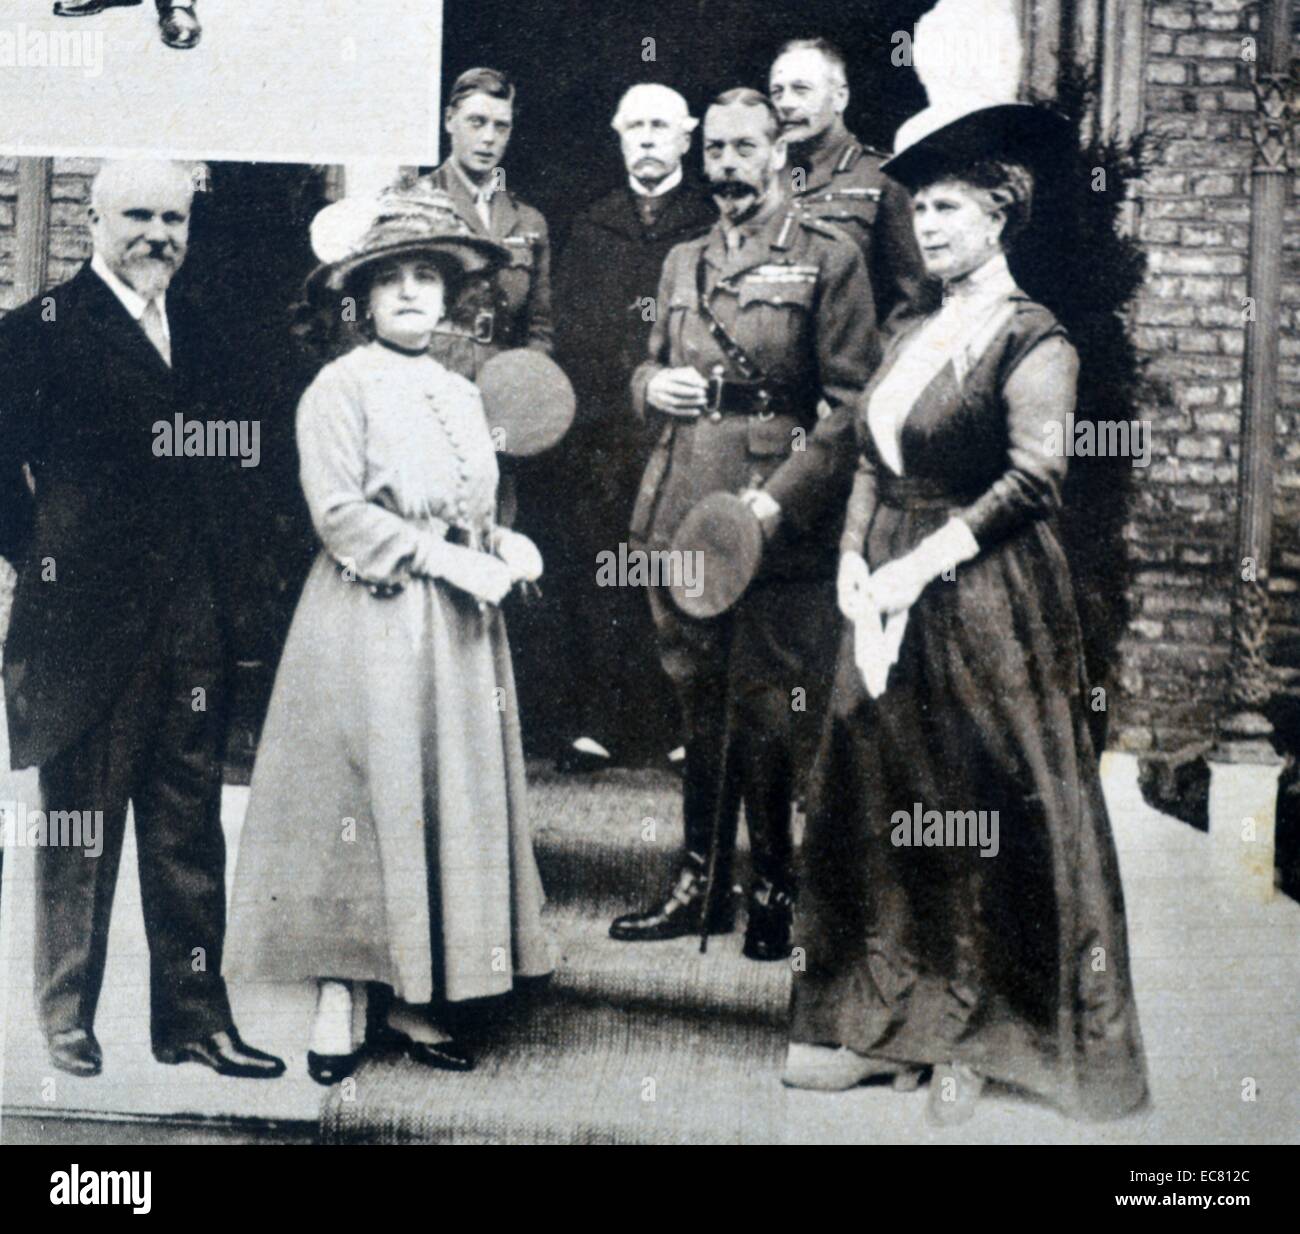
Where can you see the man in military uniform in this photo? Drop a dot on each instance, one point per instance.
(621, 706)
(836, 178)
(766, 314)
(513, 308)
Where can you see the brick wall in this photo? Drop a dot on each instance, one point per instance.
(69, 247)
(1189, 322)
(8, 229)
(69, 239)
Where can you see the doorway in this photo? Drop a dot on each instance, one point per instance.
(249, 254)
(571, 62)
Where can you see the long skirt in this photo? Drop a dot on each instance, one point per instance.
(387, 836)
(960, 897)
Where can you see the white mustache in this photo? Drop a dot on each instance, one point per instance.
(151, 254)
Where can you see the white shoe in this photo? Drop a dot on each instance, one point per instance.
(954, 1090)
(832, 1069)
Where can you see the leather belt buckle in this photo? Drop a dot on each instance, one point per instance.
(483, 323)
(763, 405)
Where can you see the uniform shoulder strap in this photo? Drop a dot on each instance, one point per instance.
(848, 156)
(785, 237)
(811, 223)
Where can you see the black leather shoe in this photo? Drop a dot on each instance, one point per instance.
(88, 8)
(445, 1056)
(76, 1051)
(179, 24)
(381, 1038)
(330, 1069)
(771, 914)
(681, 913)
(226, 1054)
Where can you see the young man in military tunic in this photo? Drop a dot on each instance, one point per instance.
(513, 309)
(766, 314)
(835, 177)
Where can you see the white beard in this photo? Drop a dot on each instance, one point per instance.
(147, 277)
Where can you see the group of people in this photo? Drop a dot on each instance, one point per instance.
(887, 440)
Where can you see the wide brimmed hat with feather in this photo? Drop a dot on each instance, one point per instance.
(940, 140)
(402, 221)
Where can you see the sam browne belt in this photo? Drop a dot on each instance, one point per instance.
(754, 393)
(730, 397)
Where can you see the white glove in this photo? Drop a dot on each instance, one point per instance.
(766, 509)
(481, 575)
(519, 554)
(896, 585)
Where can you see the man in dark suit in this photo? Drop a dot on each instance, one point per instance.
(112, 667)
(177, 23)
(621, 706)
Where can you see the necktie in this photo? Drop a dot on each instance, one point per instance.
(152, 321)
(483, 204)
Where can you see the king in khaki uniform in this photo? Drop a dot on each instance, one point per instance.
(836, 178)
(766, 314)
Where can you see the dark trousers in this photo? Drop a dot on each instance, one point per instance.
(158, 750)
(620, 694)
(768, 661)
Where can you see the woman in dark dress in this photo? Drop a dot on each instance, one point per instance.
(961, 905)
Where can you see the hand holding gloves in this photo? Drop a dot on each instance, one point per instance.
(877, 603)
(488, 577)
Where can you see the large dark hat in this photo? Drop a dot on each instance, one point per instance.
(402, 221)
(727, 536)
(938, 141)
(528, 401)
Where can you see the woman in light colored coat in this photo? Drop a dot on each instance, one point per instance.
(386, 839)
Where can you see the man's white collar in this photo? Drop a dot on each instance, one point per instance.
(666, 185)
(479, 192)
(132, 300)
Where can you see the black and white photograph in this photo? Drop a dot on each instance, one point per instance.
(694, 572)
